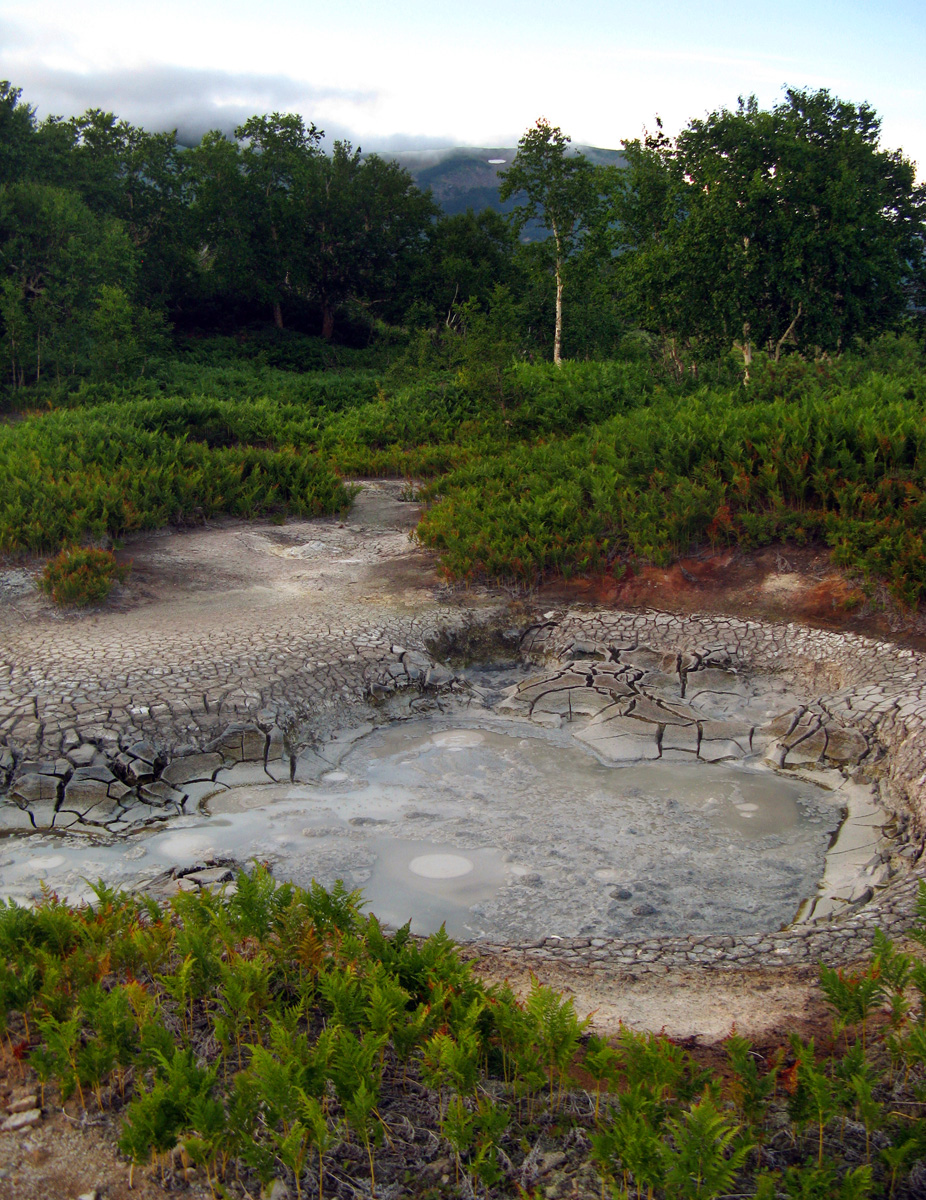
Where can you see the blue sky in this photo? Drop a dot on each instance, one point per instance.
(418, 73)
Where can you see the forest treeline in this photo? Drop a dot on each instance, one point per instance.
(735, 318)
(770, 231)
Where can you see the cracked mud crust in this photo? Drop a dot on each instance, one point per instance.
(243, 648)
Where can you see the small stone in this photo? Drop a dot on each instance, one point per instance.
(14, 819)
(193, 767)
(243, 743)
(83, 755)
(808, 750)
(210, 875)
(43, 814)
(21, 1120)
(136, 770)
(81, 794)
(775, 754)
(621, 893)
(159, 794)
(101, 774)
(32, 766)
(276, 745)
(643, 910)
(144, 751)
(844, 745)
(716, 750)
(179, 885)
(23, 1104)
(550, 1161)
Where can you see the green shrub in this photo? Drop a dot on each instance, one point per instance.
(539, 471)
(78, 576)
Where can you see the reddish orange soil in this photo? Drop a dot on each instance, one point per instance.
(775, 583)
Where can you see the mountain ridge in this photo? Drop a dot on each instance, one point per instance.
(463, 177)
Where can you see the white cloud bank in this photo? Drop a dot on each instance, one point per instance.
(415, 75)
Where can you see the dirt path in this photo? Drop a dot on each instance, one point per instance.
(700, 1005)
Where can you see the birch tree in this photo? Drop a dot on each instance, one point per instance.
(559, 190)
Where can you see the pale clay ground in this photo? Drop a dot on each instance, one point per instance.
(236, 610)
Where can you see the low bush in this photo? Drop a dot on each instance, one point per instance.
(108, 470)
(537, 471)
(78, 576)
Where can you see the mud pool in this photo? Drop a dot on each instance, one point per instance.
(500, 830)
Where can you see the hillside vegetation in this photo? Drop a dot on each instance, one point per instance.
(530, 471)
(734, 316)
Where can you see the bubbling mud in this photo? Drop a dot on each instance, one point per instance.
(500, 830)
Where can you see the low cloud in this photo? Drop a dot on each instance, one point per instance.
(189, 100)
(192, 100)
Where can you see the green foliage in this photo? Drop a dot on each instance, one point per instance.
(56, 257)
(602, 1062)
(470, 255)
(842, 462)
(81, 576)
(556, 1031)
(117, 468)
(824, 1182)
(177, 1099)
(815, 1099)
(751, 1090)
(535, 470)
(769, 229)
(280, 1033)
(629, 1143)
(124, 337)
(854, 997)
(562, 192)
(705, 1153)
(287, 225)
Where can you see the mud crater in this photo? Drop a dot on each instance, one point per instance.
(624, 794)
(270, 669)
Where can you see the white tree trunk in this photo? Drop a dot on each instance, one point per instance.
(558, 334)
(558, 331)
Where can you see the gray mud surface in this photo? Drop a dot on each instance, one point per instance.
(653, 795)
(500, 832)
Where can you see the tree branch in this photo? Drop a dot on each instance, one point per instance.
(789, 331)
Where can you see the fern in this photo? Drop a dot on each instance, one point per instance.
(704, 1154)
(557, 1031)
